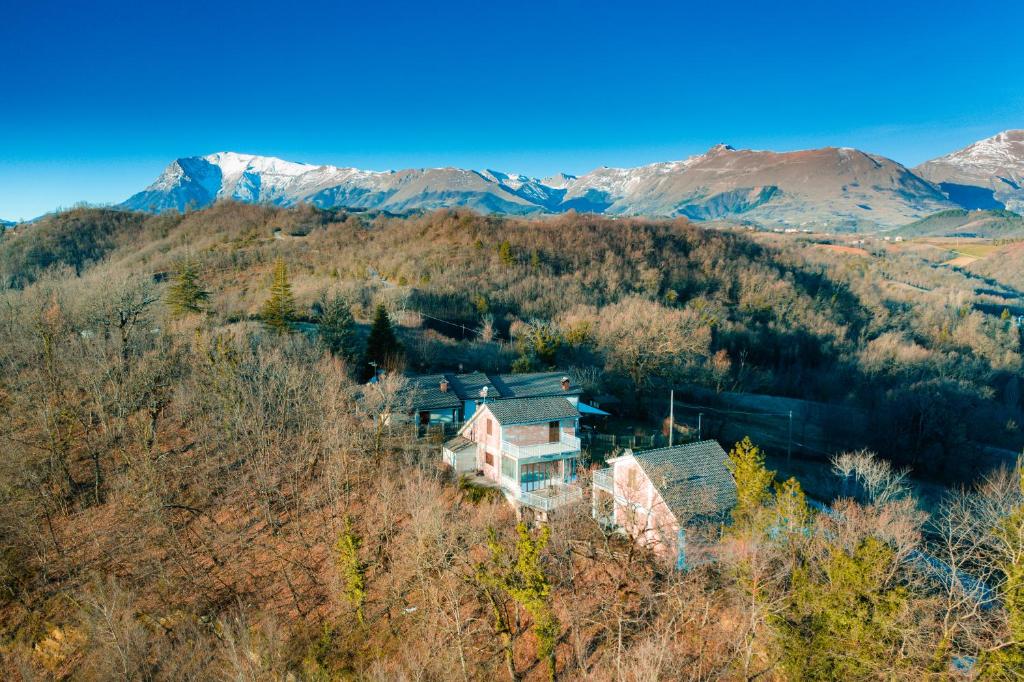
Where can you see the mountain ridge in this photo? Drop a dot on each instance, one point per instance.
(835, 187)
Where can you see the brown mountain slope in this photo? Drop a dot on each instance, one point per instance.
(831, 186)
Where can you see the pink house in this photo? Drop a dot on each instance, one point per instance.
(527, 447)
(659, 496)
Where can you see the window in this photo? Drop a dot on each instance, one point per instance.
(488, 458)
(534, 476)
(631, 478)
(553, 432)
(508, 467)
(569, 470)
(489, 427)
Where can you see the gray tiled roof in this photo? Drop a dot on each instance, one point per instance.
(537, 384)
(532, 410)
(467, 386)
(424, 393)
(692, 479)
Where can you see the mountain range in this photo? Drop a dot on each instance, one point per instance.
(830, 187)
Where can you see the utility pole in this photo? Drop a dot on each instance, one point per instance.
(671, 415)
(789, 446)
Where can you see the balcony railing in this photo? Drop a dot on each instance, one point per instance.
(551, 497)
(604, 479)
(565, 443)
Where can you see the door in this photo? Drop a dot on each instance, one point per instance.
(553, 432)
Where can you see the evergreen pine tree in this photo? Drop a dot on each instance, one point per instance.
(841, 616)
(279, 310)
(337, 327)
(186, 294)
(382, 346)
(753, 483)
(505, 253)
(792, 514)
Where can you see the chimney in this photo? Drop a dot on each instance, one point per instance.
(565, 383)
(444, 385)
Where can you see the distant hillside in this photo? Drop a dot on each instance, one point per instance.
(1005, 265)
(73, 238)
(964, 223)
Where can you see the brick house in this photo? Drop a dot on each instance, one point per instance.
(528, 447)
(666, 499)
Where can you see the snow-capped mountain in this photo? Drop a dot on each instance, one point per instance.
(986, 174)
(199, 181)
(833, 186)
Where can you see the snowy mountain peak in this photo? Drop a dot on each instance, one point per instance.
(992, 152)
(986, 174)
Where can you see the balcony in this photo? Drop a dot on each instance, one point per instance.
(565, 443)
(551, 497)
(604, 479)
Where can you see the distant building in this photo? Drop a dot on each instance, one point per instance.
(666, 498)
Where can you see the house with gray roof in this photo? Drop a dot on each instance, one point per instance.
(526, 446)
(451, 399)
(664, 496)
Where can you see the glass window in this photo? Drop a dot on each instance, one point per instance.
(508, 467)
(570, 470)
(535, 476)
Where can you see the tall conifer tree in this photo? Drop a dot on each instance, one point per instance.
(279, 310)
(186, 294)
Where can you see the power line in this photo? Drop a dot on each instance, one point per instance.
(724, 411)
(463, 327)
(788, 415)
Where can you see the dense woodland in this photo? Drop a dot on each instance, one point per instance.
(194, 483)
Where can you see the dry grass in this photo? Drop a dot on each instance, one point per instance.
(838, 248)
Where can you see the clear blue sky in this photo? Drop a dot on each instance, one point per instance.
(97, 97)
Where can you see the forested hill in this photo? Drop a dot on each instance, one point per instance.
(195, 482)
(734, 311)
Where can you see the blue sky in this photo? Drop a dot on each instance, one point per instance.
(97, 97)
